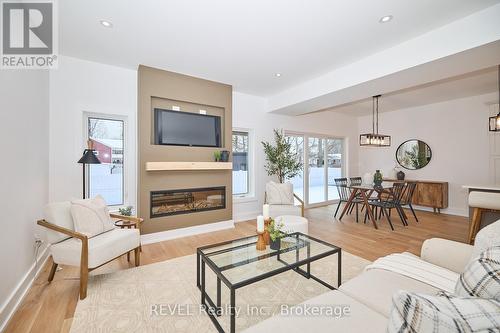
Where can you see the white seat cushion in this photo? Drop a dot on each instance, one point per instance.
(279, 194)
(102, 248)
(91, 216)
(58, 213)
(279, 210)
(360, 318)
(293, 223)
(375, 288)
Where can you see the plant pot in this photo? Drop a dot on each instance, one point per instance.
(224, 156)
(276, 244)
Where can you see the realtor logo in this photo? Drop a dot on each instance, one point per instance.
(29, 35)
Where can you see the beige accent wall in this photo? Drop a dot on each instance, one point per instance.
(163, 89)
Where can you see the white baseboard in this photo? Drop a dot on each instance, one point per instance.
(16, 297)
(184, 232)
(246, 216)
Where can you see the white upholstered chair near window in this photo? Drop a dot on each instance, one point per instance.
(481, 202)
(281, 200)
(69, 247)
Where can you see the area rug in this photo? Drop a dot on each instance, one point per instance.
(163, 297)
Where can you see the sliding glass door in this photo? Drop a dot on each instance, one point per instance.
(334, 157)
(316, 170)
(324, 161)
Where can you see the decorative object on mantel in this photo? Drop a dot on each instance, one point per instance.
(88, 157)
(400, 175)
(217, 156)
(375, 139)
(280, 158)
(413, 154)
(494, 123)
(224, 156)
(378, 178)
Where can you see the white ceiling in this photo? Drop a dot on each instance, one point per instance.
(244, 43)
(472, 84)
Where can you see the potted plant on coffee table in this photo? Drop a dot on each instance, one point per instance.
(276, 233)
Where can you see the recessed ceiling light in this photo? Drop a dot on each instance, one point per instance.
(106, 24)
(385, 19)
(277, 74)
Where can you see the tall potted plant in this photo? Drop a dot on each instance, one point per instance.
(281, 160)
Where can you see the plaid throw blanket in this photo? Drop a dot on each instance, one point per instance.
(442, 313)
(413, 267)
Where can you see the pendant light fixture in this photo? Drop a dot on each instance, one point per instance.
(374, 139)
(495, 120)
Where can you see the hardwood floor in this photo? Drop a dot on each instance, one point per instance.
(50, 307)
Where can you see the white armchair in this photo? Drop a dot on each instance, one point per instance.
(69, 247)
(280, 198)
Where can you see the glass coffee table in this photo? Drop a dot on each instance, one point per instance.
(237, 263)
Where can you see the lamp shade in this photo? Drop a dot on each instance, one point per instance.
(89, 157)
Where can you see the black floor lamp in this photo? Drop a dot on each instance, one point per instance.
(88, 157)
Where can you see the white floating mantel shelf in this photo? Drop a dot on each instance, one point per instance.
(180, 166)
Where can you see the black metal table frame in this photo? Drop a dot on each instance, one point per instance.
(203, 259)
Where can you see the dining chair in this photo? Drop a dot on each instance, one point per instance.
(355, 181)
(391, 201)
(344, 194)
(408, 197)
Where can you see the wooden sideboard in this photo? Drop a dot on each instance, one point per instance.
(432, 194)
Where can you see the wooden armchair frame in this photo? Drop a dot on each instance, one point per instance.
(296, 197)
(84, 260)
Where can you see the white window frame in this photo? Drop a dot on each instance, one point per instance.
(125, 178)
(250, 196)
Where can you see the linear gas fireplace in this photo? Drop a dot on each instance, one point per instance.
(173, 202)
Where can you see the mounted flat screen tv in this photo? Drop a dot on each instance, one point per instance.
(179, 128)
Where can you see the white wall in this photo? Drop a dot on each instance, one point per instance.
(24, 138)
(456, 131)
(79, 86)
(250, 112)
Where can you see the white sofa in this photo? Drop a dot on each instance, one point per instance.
(369, 295)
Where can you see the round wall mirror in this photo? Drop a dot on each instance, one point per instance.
(413, 154)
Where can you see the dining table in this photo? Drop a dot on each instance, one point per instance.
(365, 192)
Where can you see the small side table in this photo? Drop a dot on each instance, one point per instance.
(122, 224)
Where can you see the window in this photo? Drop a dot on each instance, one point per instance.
(241, 163)
(107, 179)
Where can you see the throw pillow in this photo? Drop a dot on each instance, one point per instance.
(442, 313)
(487, 237)
(91, 216)
(481, 277)
(279, 194)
